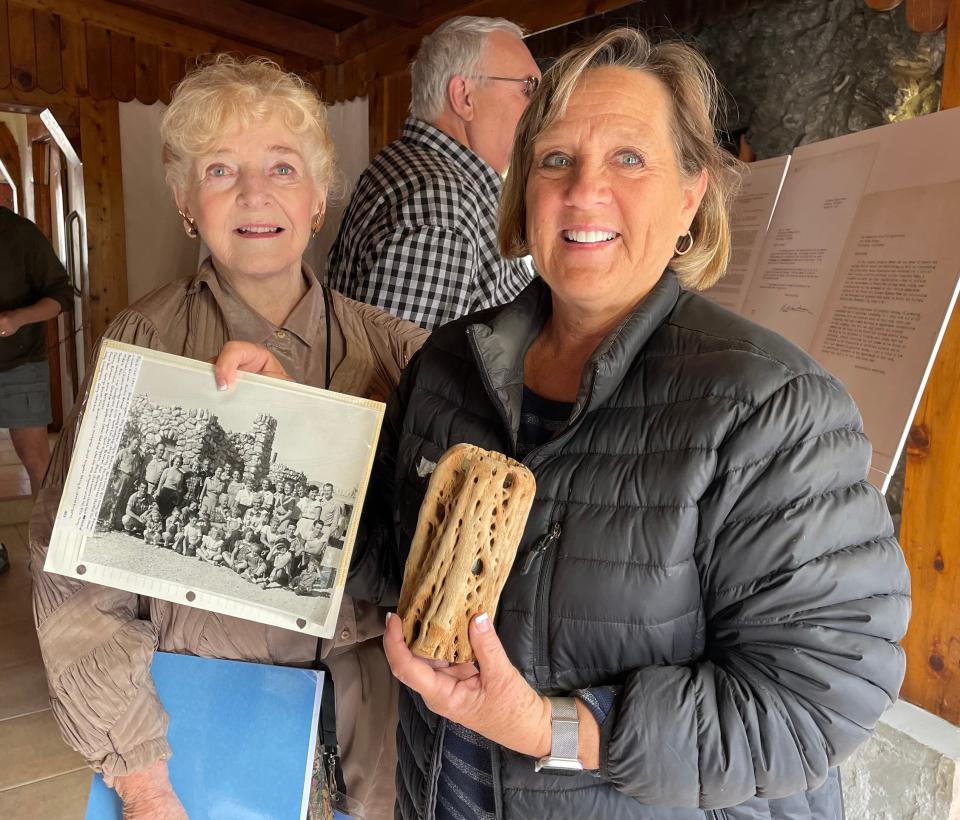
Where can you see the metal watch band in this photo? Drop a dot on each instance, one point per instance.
(565, 728)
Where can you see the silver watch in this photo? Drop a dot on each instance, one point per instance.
(564, 739)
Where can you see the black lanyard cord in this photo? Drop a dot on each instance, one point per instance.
(327, 724)
(327, 321)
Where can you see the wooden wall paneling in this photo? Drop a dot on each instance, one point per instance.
(124, 19)
(23, 54)
(49, 69)
(929, 530)
(297, 63)
(398, 104)
(925, 16)
(351, 79)
(4, 45)
(377, 114)
(10, 154)
(950, 97)
(64, 108)
(339, 73)
(244, 20)
(388, 101)
(73, 56)
(171, 71)
(147, 72)
(99, 83)
(930, 525)
(355, 79)
(103, 191)
(329, 92)
(123, 67)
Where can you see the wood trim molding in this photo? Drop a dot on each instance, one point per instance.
(236, 18)
(930, 526)
(103, 192)
(124, 19)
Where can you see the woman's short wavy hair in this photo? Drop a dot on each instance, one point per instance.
(227, 90)
(695, 92)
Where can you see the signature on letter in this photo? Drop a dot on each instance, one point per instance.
(794, 309)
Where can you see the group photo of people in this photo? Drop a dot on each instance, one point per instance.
(276, 533)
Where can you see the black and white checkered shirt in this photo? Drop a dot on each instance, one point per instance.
(419, 238)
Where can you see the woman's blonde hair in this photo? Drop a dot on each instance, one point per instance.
(227, 90)
(695, 92)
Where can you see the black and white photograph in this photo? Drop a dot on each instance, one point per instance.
(244, 502)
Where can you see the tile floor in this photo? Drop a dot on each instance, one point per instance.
(40, 777)
(14, 481)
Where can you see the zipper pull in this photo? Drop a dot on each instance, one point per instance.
(541, 545)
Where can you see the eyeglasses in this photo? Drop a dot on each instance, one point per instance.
(530, 84)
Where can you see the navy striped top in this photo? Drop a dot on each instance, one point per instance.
(465, 786)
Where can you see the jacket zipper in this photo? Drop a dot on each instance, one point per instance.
(544, 547)
(541, 659)
(542, 544)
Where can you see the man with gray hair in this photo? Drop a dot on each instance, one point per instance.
(419, 237)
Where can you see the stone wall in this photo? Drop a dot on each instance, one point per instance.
(255, 448)
(197, 434)
(908, 770)
(801, 71)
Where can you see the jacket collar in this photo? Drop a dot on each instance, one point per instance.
(243, 321)
(501, 345)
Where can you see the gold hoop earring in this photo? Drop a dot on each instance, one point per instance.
(189, 224)
(316, 223)
(689, 237)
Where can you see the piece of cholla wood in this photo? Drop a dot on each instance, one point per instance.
(468, 532)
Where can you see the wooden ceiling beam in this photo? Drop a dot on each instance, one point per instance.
(404, 11)
(247, 21)
(148, 27)
(390, 49)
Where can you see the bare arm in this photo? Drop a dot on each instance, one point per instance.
(40, 311)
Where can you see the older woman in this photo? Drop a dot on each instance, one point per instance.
(703, 615)
(250, 162)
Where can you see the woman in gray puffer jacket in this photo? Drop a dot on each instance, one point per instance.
(708, 590)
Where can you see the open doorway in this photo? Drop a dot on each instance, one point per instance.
(41, 178)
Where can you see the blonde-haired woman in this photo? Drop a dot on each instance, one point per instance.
(702, 618)
(250, 163)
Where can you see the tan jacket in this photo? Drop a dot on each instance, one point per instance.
(98, 642)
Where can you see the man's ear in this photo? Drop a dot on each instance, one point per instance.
(460, 97)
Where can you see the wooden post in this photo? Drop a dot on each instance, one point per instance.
(103, 190)
(389, 100)
(951, 66)
(930, 526)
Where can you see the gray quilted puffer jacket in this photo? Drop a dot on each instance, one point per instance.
(716, 552)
